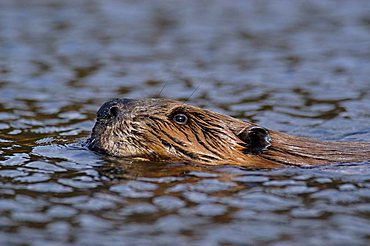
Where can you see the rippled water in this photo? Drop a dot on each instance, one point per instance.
(301, 67)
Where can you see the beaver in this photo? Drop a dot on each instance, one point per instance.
(157, 129)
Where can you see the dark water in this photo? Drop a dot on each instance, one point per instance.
(301, 67)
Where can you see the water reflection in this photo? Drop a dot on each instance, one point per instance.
(299, 67)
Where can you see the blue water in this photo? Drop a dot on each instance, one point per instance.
(300, 67)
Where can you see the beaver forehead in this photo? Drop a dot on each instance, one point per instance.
(166, 108)
(154, 105)
(162, 107)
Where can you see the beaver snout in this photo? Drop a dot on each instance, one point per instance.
(113, 108)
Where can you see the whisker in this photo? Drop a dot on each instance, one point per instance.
(191, 94)
(164, 86)
(159, 93)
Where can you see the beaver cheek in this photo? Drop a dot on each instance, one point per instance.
(118, 148)
(256, 140)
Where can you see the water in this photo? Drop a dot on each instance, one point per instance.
(294, 66)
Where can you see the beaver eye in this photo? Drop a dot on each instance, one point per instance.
(180, 119)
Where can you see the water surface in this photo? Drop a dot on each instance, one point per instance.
(300, 67)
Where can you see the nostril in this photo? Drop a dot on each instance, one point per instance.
(114, 111)
(114, 108)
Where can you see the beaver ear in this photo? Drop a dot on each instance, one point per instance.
(256, 139)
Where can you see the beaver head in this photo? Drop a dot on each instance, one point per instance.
(162, 129)
(168, 130)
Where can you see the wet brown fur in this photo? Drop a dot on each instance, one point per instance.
(145, 129)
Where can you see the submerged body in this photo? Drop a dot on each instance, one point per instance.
(168, 130)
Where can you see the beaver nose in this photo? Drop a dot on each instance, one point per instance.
(113, 108)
